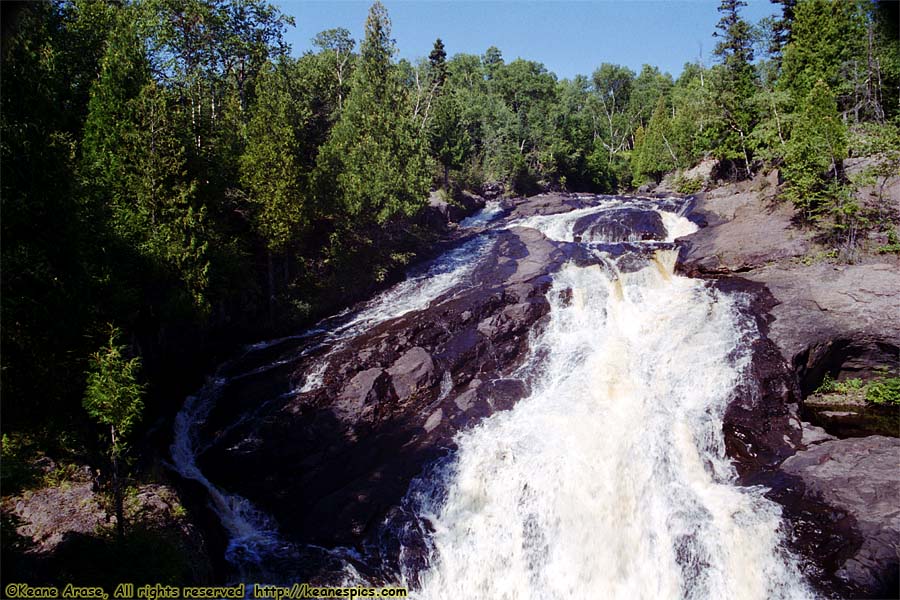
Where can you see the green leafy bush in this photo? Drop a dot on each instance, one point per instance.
(830, 386)
(886, 391)
(893, 245)
(688, 185)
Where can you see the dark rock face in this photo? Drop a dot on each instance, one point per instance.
(329, 463)
(859, 477)
(621, 225)
(440, 213)
(761, 424)
(835, 319)
(817, 319)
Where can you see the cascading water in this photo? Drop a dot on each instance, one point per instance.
(254, 543)
(609, 480)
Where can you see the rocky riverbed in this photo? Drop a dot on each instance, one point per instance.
(349, 423)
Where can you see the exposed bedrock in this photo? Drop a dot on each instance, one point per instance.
(840, 496)
(328, 463)
(857, 479)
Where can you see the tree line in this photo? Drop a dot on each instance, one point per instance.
(173, 180)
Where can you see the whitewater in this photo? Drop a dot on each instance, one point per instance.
(610, 480)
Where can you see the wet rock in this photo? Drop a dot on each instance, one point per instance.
(859, 476)
(413, 371)
(546, 204)
(439, 213)
(492, 190)
(331, 462)
(620, 225)
(355, 401)
(470, 202)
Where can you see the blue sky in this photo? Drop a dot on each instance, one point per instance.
(570, 38)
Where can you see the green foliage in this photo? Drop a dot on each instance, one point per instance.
(827, 40)
(17, 470)
(893, 245)
(735, 47)
(688, 185)
(831, 386)
(273, 168)
(654, 156)
(885, 391)
(375, 155)
(113, 396)
(815, 152)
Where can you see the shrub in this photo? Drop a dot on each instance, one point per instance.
(886, 391)
(688, 185)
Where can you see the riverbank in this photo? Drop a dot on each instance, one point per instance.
(830, 321)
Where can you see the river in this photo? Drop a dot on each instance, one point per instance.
(609, 480)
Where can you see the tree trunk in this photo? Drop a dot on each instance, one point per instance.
(118, 499)
(271, 269)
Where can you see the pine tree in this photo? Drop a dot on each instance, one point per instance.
(736, 86)
(736, 45)
(655, 156)
(438, 61)
(781, 30)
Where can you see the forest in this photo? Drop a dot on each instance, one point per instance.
(175, 182)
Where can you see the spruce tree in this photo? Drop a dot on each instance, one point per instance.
(735, 86)
(655, 156)
(438, 62)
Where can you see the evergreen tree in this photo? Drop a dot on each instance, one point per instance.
(655, 156)
(735, 86)
(492, 61)
(438, 61)
(374, 155)
(736, 45)
(828, 42)
(815, 153)
(114, 398)
(781, 30)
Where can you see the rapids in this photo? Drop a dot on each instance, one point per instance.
(610, 480)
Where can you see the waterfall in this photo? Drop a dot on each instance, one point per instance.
(611, 479)
(255, 547)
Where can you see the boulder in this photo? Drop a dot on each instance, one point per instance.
(620, 225)
(412, 372)
(859, 476)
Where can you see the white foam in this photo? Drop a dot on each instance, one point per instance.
(611, 480)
